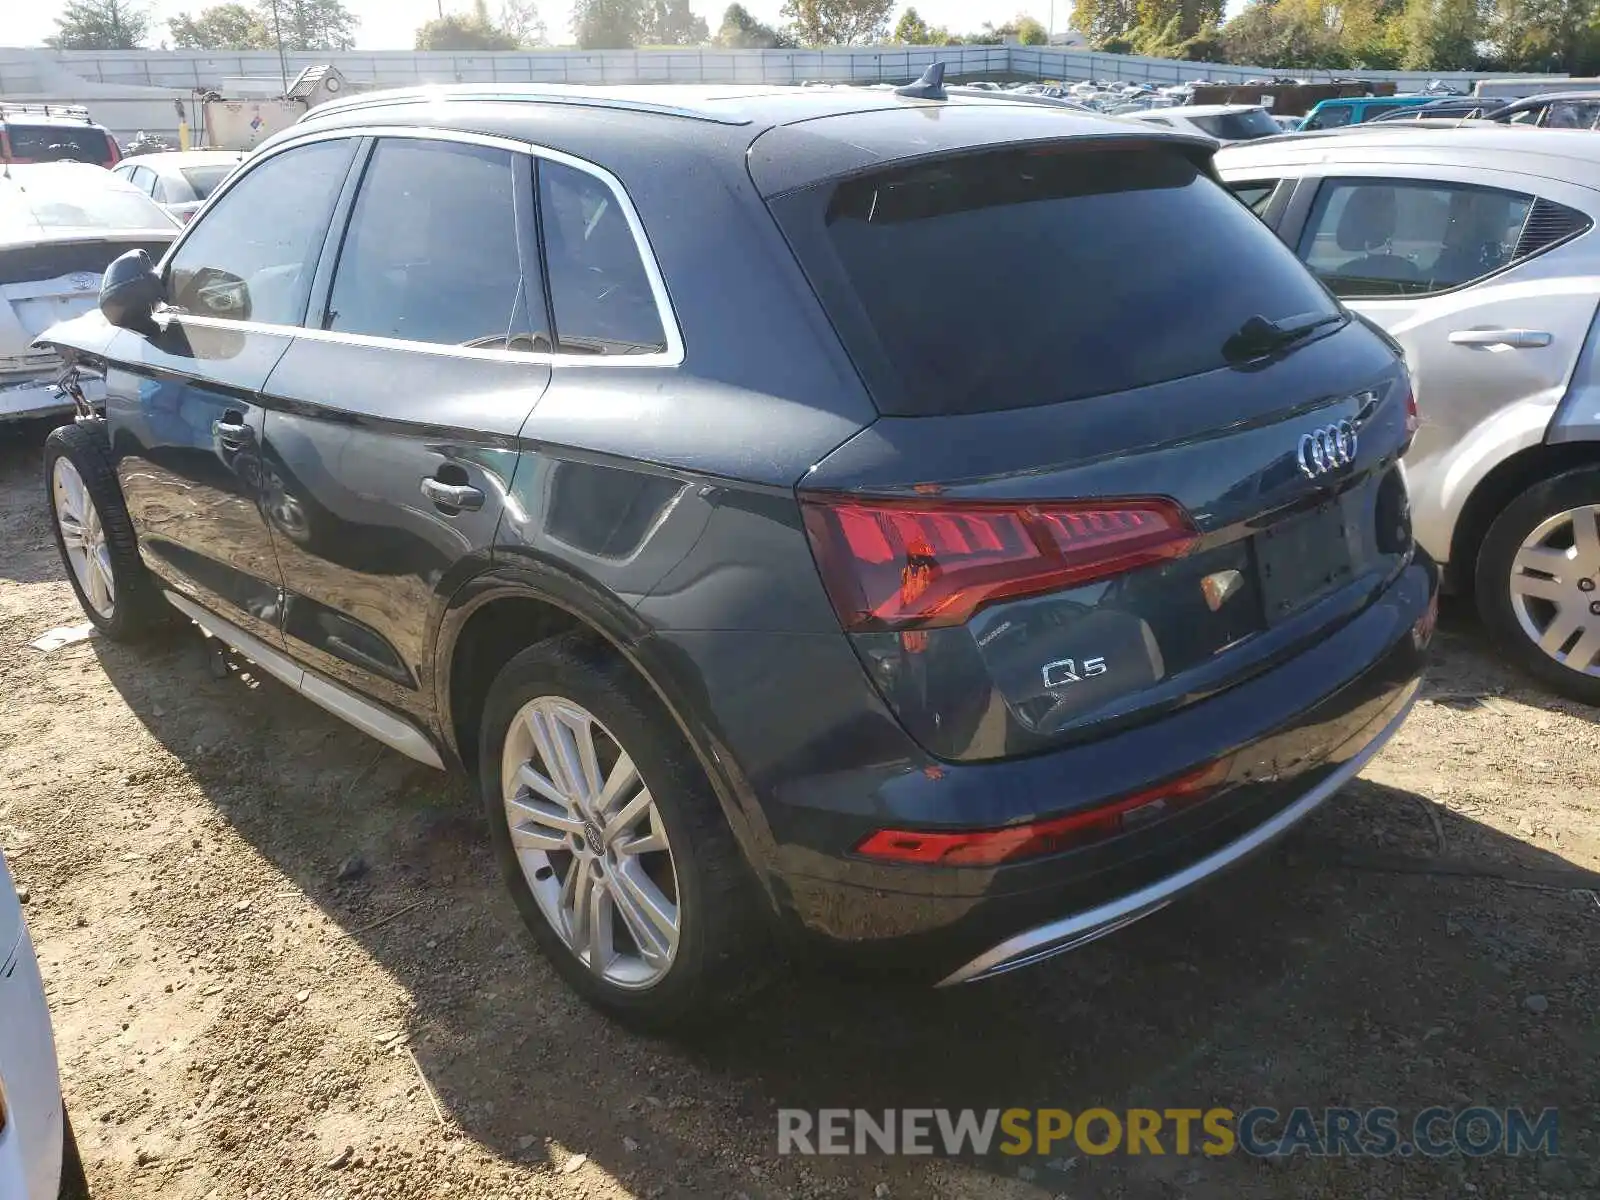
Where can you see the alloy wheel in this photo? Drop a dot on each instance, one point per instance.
(84, 537)
(590, 842)
(1555, 588)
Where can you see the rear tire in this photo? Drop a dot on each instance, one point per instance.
(1537, 582)
(94, 535)
(646, 856)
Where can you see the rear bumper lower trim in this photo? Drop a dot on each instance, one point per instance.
(1071, 932)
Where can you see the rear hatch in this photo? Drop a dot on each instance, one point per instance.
(58, 141)
(1131, 452)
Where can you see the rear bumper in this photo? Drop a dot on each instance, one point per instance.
(1068, 933)
(815, 763)
(39, 398)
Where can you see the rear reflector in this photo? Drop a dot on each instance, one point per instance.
(991, 847)
(899, 564)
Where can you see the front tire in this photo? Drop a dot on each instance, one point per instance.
(1538, 582)
(612, 842)
(94, 535)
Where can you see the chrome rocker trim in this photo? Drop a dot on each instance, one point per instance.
(1069, 933)
(392, 731)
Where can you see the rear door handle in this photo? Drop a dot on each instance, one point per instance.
(1517, 339)
(453, 495)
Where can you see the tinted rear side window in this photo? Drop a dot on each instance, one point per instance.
(1025, 277)
(57, 143)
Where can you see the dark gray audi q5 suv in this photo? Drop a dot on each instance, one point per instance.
(938, 528)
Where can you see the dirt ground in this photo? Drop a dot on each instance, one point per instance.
(236, 1020)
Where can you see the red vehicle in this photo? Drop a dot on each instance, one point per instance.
(37, 133)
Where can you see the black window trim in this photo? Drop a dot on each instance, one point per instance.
(1314, 194)
(673, 355)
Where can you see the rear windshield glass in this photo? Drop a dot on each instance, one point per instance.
(57, 143)
(1239, 126)
(1026, 277)
(29, 202)
(204, 180)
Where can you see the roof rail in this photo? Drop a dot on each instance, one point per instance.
(75, 112)
(573, 95)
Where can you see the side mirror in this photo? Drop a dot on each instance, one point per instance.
(130, 291)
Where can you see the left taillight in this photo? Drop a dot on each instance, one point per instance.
(917, 564)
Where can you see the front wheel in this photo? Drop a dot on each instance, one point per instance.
(94, 535)
(612, 842)
(1538, 582)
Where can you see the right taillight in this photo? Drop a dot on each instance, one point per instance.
(906, 564)
(1413, 417)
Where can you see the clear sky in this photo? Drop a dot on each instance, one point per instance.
(392, 24)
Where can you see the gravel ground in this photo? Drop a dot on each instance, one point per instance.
(280, 965)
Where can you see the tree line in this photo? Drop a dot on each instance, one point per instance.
(1335, 35)
(1351, 35)
(517, 25)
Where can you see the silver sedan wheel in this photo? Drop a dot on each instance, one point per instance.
(84, 537)
(590, 842)
(1555, 588)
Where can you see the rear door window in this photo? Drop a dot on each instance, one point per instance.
(432, 254)
(1400, 237)
(1023, 277)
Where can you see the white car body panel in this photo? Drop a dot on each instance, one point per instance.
(29, 307)
(31, 1141)
(1482, 400)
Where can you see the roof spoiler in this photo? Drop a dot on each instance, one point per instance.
(929, 87)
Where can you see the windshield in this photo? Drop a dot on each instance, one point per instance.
(1239, 126)
(1330, 117)
(57, 143)
(1021, 277)
(204, 180)
(30, 201)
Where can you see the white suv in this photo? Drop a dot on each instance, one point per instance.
(1474, 249)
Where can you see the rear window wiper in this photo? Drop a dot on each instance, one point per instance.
(1259, 337)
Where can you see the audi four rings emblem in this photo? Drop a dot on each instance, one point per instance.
(1324, 449)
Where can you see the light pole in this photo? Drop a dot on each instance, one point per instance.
(277, 30)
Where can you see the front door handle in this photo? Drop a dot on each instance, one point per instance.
(231, 428)
(1516, 339)
(453, 495)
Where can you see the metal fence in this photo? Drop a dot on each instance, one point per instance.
(38, 71)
